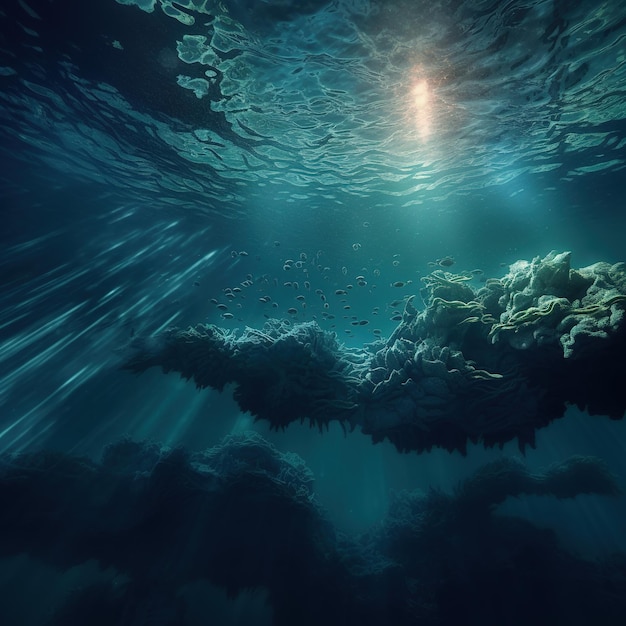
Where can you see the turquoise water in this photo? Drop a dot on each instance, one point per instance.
(158, 155)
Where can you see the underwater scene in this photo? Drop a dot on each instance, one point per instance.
(312, 312)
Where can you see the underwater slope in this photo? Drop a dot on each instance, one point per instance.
(489, 364)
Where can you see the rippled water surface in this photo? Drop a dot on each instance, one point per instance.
(225, 106)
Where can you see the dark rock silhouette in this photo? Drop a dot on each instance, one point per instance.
(243, 515)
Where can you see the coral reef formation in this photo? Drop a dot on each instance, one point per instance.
(244, 515)
(482, 365)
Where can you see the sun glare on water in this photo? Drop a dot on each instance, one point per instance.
(422, 103)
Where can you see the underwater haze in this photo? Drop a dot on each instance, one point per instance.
(398, 422)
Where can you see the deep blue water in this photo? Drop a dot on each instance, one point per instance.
(145, 145)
